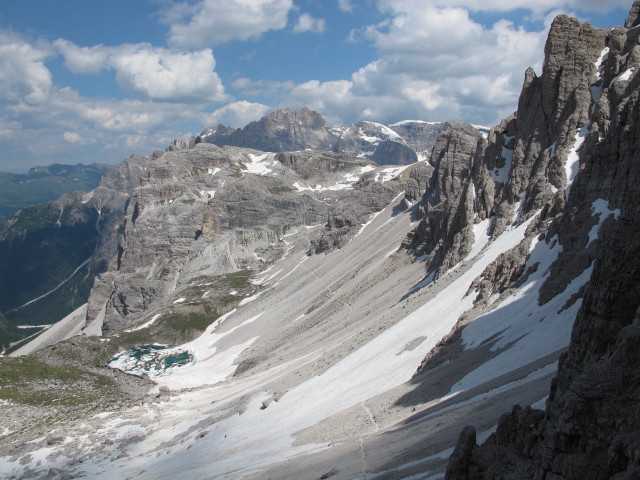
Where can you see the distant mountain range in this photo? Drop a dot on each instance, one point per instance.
(289, 130)
(43, 184)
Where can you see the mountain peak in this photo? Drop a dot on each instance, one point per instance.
(288, 130)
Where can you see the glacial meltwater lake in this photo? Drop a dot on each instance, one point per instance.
(155, 360)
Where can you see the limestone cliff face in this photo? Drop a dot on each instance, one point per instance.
(445, 232)
(207, 211)
(585, 108)
(420, 136)
(524, 168)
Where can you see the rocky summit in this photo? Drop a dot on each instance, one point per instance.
(286, 130)
(295, 300)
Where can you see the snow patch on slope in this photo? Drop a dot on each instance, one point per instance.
(145, 325)
(600, 208)
(261, 164)
(481, 238)
(573, 159)
(520, 325)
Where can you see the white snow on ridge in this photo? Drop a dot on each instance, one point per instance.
(596, 90)
(214, 360)
(405, 122)
(321, 188)
(384, 130)
(521, 325)
(484, 131)
(502, 174)
(207, 193)
(346, 183)
(389, 173)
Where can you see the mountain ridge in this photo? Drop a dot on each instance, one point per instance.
(285, 130)
(44, 184)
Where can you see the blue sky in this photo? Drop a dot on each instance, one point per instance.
(96, 81)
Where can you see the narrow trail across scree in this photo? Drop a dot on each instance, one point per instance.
(371, 416)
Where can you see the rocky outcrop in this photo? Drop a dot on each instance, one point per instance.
(420, 136)
(289, 130)
(391, 152)
(590, 92)
(445, 233)
(207, 211)
(524, 167)
(180, 144)
(317, 166)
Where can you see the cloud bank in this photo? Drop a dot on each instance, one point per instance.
(427, 59)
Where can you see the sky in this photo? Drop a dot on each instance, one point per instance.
(99, 80)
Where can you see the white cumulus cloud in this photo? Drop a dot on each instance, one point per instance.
(236, 114)
(24, 76)
(162, 75)
(72, 137)
(345, 5)
(211, 22)
(83, 59)
(434, 63)
(535, 6)
(151, 73)
(306, 23)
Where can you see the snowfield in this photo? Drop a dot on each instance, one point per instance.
(329, 350)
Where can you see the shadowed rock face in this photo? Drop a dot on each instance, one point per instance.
(51, 252)
(420, 136)
(590, 429)
(392, 152)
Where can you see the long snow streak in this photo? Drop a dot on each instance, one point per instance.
(573, 159)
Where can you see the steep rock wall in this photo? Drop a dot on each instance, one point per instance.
(590, 428)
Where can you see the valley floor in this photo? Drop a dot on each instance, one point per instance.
(325, 357)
